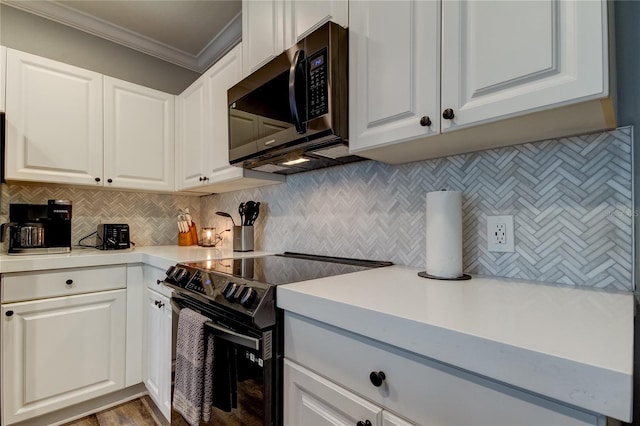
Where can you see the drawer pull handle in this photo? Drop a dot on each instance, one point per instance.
(377, 377)
(158, 282)
(365, 423)
(9, 313)
(69, 282)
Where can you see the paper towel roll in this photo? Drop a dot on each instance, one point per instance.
(444, 234)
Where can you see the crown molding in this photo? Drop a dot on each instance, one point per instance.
(65, 15)
(226, 40)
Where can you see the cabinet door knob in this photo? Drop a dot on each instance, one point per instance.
(109, 180)
(201, 178)
(69, 282)
(160, 305)
(205, 178)
(157, 302)
(158, 282)
(425, 121)
(448, 114)
(9, 313)
(365, 423)
(97, 179)
(377, 377)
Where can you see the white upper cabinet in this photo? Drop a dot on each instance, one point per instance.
(218, 79)
(3, 74)
(307, 16)
(54, 121)
(269, 27)
(203, 136)
(263, 32)
(70, 125)
(504, 58)
(436, 78)
(202, 148)
(192, 153)
(394, 64)
(138, 137)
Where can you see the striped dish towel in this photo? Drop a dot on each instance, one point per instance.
(192, 394)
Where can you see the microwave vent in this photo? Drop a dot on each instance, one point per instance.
(334, 152)
(270, 168)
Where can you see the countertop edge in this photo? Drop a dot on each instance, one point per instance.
(590, 387)
(158, 256)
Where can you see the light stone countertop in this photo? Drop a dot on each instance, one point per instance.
(158, 256)
(570, 344)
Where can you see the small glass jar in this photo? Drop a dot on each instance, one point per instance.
(208, 237)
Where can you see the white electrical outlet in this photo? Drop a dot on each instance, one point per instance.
(500, 234)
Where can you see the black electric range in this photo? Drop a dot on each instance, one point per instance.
(238, 299)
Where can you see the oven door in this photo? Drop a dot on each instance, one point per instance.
(243, 370)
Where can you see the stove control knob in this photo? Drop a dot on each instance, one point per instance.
(229, 291)
(238, 293)
(181, 275)
(248, 297)
(170, 270)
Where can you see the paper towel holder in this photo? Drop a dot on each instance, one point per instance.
(463, 277)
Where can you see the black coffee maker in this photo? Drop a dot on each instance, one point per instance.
(39, 228)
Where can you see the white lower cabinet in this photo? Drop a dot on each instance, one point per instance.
(156, 364)
(340, 390)
(389, 419)
(61, 351)
(313, 400)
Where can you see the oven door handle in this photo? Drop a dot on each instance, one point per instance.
(174, 305)
(222, 332)
(232, 336)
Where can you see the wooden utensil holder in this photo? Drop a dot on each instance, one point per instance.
(188, 238)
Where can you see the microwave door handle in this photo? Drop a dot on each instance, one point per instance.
(298, 61)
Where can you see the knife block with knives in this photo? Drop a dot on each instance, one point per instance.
(187, 231)
(190, 237)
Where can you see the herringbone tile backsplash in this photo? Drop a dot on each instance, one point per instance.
(152, 218)
(571, 200)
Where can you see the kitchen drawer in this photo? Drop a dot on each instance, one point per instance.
(417, 388)
(20, 286)
(152, 279)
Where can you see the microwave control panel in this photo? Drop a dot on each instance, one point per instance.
(318, 87)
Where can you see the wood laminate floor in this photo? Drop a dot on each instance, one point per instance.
(138, 412)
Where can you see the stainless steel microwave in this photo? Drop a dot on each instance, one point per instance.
(291, 115)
